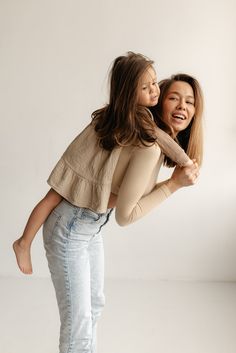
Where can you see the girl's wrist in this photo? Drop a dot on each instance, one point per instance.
(188, 163)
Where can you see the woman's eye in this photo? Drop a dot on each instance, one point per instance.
(143, 88)
(192, 103)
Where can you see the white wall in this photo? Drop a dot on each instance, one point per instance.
(54, 60)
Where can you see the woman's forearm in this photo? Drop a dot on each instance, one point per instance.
(172, 186)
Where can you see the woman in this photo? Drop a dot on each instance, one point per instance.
(179, 113)
(113, 163)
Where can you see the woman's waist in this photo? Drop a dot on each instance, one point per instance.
(66, 207)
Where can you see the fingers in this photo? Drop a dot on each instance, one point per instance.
(186, 176)
(193, 176)
(192, 173)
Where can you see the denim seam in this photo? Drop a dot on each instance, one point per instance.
(68, 288)
(71, 225)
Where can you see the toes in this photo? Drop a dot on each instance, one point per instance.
(26, 271)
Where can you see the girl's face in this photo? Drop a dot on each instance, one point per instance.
(178, 106)
(148, 91)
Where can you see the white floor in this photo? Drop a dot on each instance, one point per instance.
(139, 317)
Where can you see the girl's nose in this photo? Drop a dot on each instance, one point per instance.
(152, 88)
(155, 88)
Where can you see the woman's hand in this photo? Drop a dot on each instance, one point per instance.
(184, 176)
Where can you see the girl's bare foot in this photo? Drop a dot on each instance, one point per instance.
(23, 258)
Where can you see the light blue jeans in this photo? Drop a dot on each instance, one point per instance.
(74, 250)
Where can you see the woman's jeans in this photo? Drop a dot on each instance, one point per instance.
(74, 250)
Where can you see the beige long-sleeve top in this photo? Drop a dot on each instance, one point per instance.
(86, 174)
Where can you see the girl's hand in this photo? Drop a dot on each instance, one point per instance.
(184, 176)
(189, 163)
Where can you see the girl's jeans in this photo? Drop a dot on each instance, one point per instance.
(74, 250)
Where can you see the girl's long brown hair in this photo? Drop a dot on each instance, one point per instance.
(190, 139)
(122, 122)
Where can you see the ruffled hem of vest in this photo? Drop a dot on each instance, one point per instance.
(78, 190)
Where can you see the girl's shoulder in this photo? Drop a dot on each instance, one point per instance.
(149, 147)
(150, 150)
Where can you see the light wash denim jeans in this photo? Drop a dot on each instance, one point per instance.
(74, 250)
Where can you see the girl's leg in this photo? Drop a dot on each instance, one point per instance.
(38, 216)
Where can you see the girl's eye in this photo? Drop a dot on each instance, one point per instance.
(172, 98)
(143, 88)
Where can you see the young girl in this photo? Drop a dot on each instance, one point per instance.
(114, 162)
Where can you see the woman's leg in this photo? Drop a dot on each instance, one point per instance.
(96, 257)
(74, 250)
(69, 264)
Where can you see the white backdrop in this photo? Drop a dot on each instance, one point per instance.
(54, 61)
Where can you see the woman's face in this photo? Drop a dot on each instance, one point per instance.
(178, 106)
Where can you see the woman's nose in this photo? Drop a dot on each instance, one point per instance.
(181, 104)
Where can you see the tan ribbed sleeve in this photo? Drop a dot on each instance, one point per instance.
(131, 202)
(171, 148)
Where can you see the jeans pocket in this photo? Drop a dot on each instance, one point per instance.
(49, 226)
(89, 216)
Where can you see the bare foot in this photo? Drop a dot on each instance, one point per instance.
(23, 257)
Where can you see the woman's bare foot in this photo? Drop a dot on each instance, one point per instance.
(23, 258)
